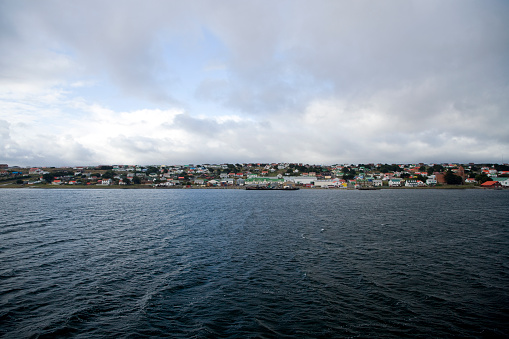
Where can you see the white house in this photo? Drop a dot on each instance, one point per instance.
(106, 182)
(213, 183)
(431, 182)
(394, 182)
(503, 181)
(228, 182)
(327, 183)
(304, 180)
(35, 171)
(411, 183)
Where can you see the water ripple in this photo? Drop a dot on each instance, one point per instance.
(233, 263)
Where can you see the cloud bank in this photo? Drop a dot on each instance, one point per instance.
(161, 82)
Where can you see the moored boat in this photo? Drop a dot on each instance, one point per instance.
(271, 188)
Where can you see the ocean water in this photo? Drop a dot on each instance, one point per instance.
(254, 264)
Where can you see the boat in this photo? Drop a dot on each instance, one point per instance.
(370, 188)
(271, 188)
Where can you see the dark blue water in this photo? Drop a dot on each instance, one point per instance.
(268, 264)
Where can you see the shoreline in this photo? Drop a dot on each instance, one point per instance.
(145, 187)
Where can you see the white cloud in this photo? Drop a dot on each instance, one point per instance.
(327, 81)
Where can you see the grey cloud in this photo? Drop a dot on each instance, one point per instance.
(202, 127)
(42, 150)
(211, 128)
(436, 70)
(116, 39)
(281, 55)
(361, 48)
(9, 149)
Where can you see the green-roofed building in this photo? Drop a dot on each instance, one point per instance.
(264, 181)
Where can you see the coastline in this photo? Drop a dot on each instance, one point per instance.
(144, 187)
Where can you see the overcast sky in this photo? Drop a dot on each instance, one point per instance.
(321, 82)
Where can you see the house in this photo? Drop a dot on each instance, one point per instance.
(440, 178)
(106, 182)
(395, 182)
(304, 180)
(377, 182)
(199, 181)
(491, 184)
(227, 182)
(263, 181)
(411, 183)
(35, 171)
(431, 182)
(326, 183)
(414, 183)
(342, 183)
(503, 181)
(470, 181)
(212, 183)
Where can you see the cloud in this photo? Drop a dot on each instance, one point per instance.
(327, 81)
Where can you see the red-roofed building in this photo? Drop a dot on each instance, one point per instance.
(491, 184)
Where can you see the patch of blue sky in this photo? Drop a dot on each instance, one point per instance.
(204, 58)
(100, 91)
(186, 64)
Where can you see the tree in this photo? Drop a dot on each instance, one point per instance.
(482, 178)
(389, 168)
(435, 168)
(421, 178)
(151, 169)
(136, 180)
(19, 181)
(501, 167)
(109, 174)
(47, 177)
(348, 176)
(452, 179)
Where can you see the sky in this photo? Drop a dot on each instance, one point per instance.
(91, 82)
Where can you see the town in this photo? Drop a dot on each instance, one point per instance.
(346, 176)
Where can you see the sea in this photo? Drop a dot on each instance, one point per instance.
(230, 263)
